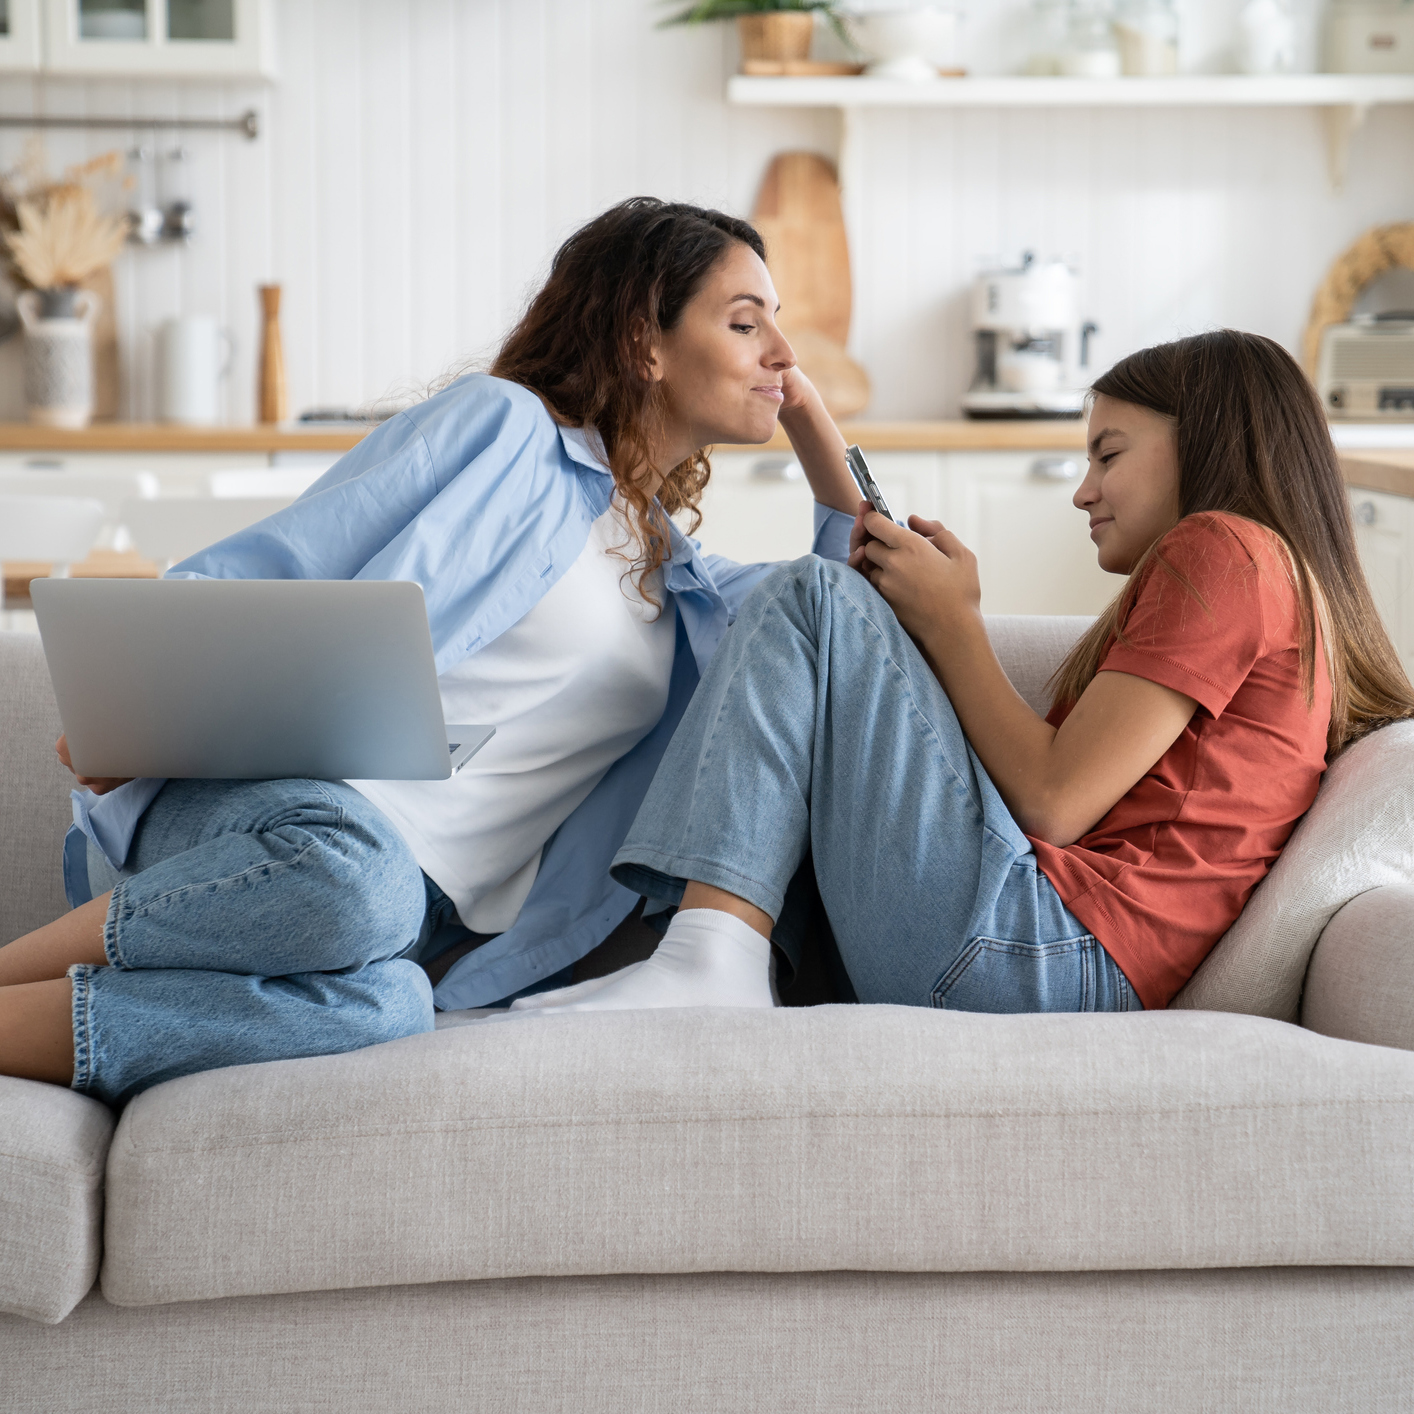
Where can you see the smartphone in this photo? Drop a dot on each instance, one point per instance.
(864, 479)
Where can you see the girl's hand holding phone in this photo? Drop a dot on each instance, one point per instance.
(925, 573)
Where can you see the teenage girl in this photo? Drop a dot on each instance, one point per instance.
(222, 922)
(971, 854)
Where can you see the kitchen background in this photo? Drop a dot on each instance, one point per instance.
(419, 161)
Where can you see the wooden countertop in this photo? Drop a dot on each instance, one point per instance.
(1391, 471)
(165, 437)
(872, 436)
(1380, 471)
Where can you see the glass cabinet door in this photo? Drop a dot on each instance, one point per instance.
(20, 48)
(160, 37)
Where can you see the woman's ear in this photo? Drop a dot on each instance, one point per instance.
(647, 354)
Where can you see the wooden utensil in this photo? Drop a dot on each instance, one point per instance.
(800, 218)
(274, 395)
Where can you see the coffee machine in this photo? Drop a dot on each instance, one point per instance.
(1031, 344)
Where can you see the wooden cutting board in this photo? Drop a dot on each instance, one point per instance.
(799, 216)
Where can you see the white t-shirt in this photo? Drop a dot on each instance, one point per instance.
(573, 686)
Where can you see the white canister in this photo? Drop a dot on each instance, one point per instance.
(193, 356)
(58, 355)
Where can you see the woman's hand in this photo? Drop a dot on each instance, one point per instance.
(798, 390)
(926, 574)
(99, 785)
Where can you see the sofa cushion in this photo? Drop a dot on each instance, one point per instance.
(36, 801)
(53, 1144)
(1358, 835)
(1030, 647)
(1360, 984)
(864, 1138)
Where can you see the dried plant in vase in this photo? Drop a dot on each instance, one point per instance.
(55, 240)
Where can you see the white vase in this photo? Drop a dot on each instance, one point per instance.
(58, 355)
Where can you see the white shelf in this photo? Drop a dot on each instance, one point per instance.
(1182, 90)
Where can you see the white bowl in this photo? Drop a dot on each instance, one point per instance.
(906, 44)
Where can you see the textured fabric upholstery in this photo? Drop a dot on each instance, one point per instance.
(34, 806)
(53, 1144)
(1030, 647)
(1360, 984)
(1263, 1341)
(846, 1137)
(1359, 835)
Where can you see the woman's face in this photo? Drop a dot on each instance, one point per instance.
(723, 365)
(1131, 489)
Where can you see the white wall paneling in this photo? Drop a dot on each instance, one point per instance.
(420, 160)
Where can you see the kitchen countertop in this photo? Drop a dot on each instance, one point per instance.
(1380, 471)
(163, 437)
(1369, 465)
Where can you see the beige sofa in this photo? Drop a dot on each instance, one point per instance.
(828, 1208)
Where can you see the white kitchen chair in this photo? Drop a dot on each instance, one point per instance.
(170, 529)
(244, 483)
(112, 489)
(55, 530)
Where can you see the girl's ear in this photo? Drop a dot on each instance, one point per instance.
(647, 360)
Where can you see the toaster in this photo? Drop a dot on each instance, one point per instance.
(1366, 370)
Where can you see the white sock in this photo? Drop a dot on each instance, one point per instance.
(572, 993)
(707, 958)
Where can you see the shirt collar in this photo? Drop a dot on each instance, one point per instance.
(586, 447)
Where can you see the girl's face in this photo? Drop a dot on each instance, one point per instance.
(1131, 489)
(724, 365)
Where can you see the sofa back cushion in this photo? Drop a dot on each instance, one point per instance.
(1358, 835)
(34, 806)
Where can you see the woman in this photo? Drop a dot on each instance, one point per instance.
(970, 854)
(222, 922)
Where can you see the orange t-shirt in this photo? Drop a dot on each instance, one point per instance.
(1162, 877)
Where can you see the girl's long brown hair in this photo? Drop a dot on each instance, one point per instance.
(614, 287)
(1253, 442)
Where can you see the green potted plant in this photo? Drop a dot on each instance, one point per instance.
(778, 31)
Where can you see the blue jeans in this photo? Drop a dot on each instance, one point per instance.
(820, 728)
(253, 921)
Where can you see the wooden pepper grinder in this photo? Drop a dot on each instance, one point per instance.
(274, 395)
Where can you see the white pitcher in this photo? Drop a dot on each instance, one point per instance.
(59, 355)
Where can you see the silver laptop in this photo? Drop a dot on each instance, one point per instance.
(250, 679)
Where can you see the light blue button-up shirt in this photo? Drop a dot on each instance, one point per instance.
(479, 496)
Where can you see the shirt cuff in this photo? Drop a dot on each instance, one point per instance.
(110, 821)
(832, 531)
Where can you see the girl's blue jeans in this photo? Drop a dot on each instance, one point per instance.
(820, 729)
(253, 921)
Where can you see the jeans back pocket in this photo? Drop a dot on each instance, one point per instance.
(1005, 978)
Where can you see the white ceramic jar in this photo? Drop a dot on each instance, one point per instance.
(58, 355)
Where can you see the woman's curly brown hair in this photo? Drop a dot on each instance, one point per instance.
(615, 286)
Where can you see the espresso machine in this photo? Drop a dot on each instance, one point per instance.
(1032, 347)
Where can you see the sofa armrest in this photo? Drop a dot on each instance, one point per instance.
(1360, 984)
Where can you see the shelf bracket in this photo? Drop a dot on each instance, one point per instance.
(1342, 121)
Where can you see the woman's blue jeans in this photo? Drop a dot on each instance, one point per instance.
(253, 921)
(819, 727)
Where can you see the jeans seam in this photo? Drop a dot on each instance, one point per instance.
(980, 943)
(82, 1013)
(111, 946)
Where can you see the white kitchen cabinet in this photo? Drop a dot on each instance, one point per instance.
(169, 38)
(751, 512)
(1384, 532)
(1013, 510)
(21, 50)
